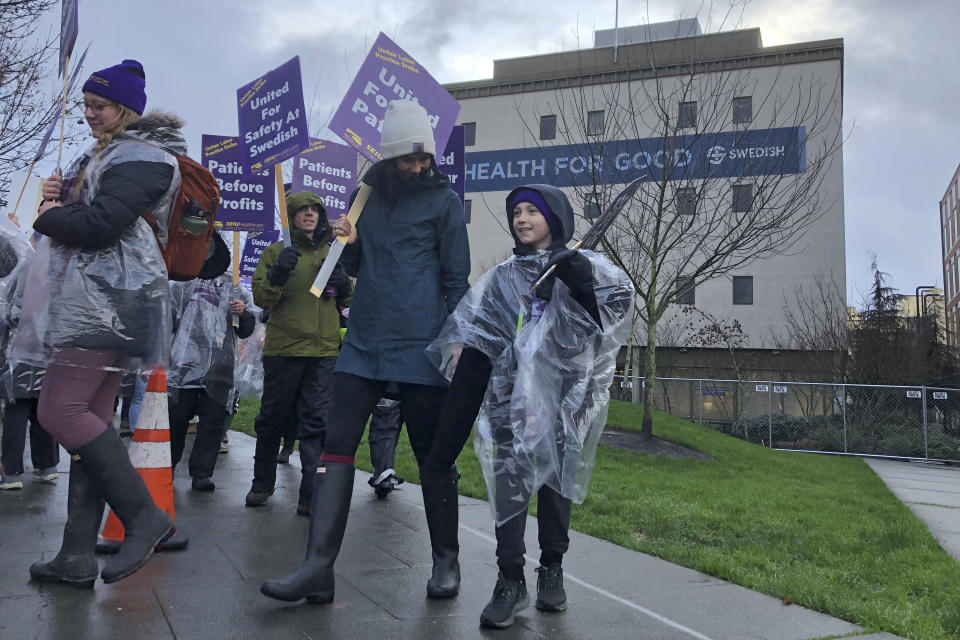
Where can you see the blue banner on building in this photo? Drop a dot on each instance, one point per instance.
(450, 162)
(728, 154)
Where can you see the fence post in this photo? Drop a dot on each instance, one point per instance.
(926, 449)
(770, 413)
(700, 401)
(843, 405)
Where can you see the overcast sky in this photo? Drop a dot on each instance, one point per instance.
(901, 95)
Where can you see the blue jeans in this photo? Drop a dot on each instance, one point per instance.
(136, 402)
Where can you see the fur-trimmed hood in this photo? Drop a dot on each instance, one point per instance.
(161, 129)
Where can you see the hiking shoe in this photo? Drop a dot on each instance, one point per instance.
(509, 597)
(284, 456)
(550, 593)
(258, 498)
(203, 484)
(46, 475)
(223, 446)
(8, 482)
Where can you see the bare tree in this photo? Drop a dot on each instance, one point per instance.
(28, 87)
(817, 330)
(667, 102)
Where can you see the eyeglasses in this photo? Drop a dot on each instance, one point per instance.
(95, 107)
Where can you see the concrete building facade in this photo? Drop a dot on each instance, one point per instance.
(950, 244)
(586, 121)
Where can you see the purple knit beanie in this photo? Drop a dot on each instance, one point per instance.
(534, 197)
(123, 83)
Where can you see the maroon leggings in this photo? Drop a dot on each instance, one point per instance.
(76, 397)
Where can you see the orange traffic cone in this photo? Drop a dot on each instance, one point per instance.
(150, 454)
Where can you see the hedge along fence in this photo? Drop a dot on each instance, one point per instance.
(887, 421)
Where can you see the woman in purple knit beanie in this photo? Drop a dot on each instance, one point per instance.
(99, 294)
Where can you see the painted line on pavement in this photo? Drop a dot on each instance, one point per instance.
(628, 603)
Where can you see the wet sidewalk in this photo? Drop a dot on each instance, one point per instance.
(211, 590)
(931, 490)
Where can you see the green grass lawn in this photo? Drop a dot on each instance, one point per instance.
(823, 531)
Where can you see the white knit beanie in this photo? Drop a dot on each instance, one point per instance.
(406, 130)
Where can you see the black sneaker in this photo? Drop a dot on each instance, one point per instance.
(284, 456)
(258, 498)
(509, 597)
(550, 593)
(385, 483)
(203, 484)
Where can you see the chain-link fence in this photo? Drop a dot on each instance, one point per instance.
(888, 421)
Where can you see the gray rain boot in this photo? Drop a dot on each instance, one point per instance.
(313, 580)
(76, 563)
(108, 466)
(440, 504)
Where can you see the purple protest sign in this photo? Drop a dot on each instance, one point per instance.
(246, 201)
(253, 247)
(329, 170)
(387, 74)
(451, 160)
(272, 119)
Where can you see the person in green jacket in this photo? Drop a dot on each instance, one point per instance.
(300, 348)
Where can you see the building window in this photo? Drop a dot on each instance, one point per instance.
(742, 289)
(742, 197)
(688, 115)
(548, 127)
(467, 210)
(686, 201)
(591, 206)
(742, 110)
(469, 134)
(595, 123)
(687, 293)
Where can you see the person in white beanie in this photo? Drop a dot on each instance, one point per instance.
(410, 255)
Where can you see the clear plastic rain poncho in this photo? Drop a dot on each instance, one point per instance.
(248, 372)
(21, 381)
(546, 402)
(204, 347)
(114, 300)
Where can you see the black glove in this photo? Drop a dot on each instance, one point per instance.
(338, 283)
(279, 273)
(572, 267)
(575, 270)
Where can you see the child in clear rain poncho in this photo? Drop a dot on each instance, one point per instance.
(541, 364)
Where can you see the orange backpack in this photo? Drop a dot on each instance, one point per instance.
(191, 221)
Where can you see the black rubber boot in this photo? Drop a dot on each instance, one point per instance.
(313, 579)
(76, 563)
(440, 504)
(107, 465)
